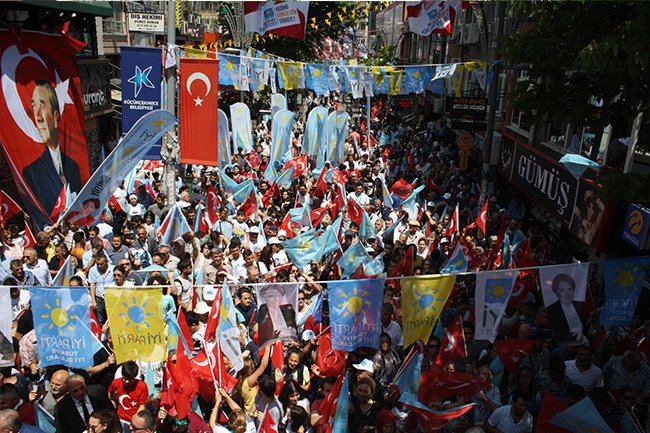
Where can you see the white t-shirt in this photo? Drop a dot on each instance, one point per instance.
(19, 304)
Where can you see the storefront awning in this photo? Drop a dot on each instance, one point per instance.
(102, 8)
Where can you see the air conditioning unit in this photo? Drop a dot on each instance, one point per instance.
(186, 27)
(471, 33)
(454, 33)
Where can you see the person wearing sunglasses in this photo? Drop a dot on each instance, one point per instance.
(143, 422)
(431, 353)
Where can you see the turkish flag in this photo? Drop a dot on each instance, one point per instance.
(453, 343)
(250, 205)
(321, 185)
(524, 283)
(213, 204)
(198, 91)
(254, 160)
(512, 352)
(355, 211)
(402, 189)
(439, 385)
(431, 185)
(213, 318)
(115, 203)
(29, 240)
(523, 256)
(286, 225)
(95, 327)
(339, 201)
(185, 330)
(403, 268)
(328, 406)
(184, 385)
(496, 248)
(299, 165)
(59, 206)
(331, 362)
(454, 223)
(550, 407)
(8, 207)
(317, 215)
(359, 273)
(267, 425)
(42, 108)
(481, 220)
(431, 422)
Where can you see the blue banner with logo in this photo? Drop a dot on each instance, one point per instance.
(635, 229)
(141, 87)
(623, 284)
(62, 324)
(355, 313)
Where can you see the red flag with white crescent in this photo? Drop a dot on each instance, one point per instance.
(321, 185)
(213, 203)
(512, 352)
(8, 207)
(453, 343)
(250, 205)
(481, 220)
(299, 165)
(29, 238)
(59, 206)
(355, 211)
(198, 94)
(339, 201)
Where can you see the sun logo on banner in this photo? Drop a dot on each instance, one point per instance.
(497, 290)
(354, 303)
(59, 316)
(426, 302)
(627, 279)
(135, 314)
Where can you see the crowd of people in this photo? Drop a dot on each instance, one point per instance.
(246, 251)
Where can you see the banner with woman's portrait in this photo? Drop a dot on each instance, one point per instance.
(564, 288)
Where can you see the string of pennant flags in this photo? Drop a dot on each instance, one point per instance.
(253, 70)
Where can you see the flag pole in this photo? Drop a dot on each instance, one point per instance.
(207, 356)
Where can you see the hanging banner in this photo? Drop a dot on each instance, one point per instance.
(242, 137)
(276, 314)
(493, 290)
(355, 313)
(424, 299)
(199, 96)
(137, 324)
(623, 284)
(93, 198)
(42, 107)
(141, 87)
(564, 288)
(62, 324)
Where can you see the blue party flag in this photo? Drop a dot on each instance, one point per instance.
(341, 416)
(623, 284)
(350, 260)
(303, 249)
(355, 313)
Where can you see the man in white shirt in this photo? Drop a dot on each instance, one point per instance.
(37, 266)
(359, 195)
(513, 418)
(99, 277)
(582, 371)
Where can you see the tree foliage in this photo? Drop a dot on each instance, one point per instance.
(580, 52)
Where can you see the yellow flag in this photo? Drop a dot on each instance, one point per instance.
(195, 54)
(137, 324)
(457, 79)
(290, 72)
(395, 81)
(423, 299)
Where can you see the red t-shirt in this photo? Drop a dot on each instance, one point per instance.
(128, 399)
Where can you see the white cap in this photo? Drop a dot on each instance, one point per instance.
(444, 241)
(365, 365)
(282, 233)
(254, 229)
(447, 196)
(274, 240)
(209, 293)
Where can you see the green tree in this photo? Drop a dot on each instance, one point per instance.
(580, 52)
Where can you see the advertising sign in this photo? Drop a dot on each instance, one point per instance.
(146, 23)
